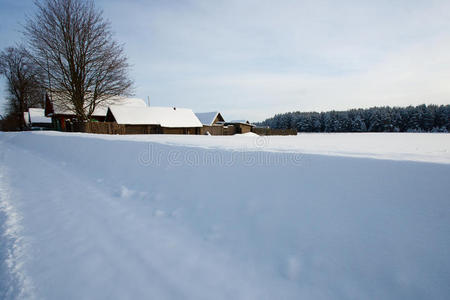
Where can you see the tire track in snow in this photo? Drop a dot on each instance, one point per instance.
(85, 245)
(91, 232)
(14, 281)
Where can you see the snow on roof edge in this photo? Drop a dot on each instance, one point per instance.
(169, 117)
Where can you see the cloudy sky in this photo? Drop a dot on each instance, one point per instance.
(251, 59)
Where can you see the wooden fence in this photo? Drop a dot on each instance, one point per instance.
(272, 131)
(114, 128)
(97, 127)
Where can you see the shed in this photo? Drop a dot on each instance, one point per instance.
(35, 119)
(242, 126)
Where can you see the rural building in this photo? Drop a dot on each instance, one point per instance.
(242, 126)
(214, 124)
(156, 120)
(35, 119)
(62, 112)
(121, 115)
(210, 118)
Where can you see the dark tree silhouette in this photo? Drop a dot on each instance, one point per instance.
(422, 118)
(23, 83)
(73, 43)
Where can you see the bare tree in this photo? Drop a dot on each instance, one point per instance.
(23, 82)
(73, 43)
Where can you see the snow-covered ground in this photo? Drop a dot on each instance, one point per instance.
(422, 147)
(199, 217)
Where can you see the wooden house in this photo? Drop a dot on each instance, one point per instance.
(154, 120)
(63, 114)
(210, 118)
(214, 124)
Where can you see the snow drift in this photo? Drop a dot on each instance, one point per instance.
(103, 217)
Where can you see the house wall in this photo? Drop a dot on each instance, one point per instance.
(186, 130)
(142, 129)
(244, 128)
(218, 130)
(229, 130)
(212, 130)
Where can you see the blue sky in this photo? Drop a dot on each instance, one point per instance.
(251, 59)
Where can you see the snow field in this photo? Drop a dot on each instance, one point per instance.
(119, 217)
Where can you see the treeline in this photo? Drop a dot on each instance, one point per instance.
(422, 118)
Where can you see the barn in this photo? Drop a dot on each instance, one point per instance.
(154, 120)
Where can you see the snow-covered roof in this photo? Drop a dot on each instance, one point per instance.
(102, 109)
(164, 116)
(246, 122)
(64, 108)
(36, 115)
(207, 118)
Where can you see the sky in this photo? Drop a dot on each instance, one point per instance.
(251, 59)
